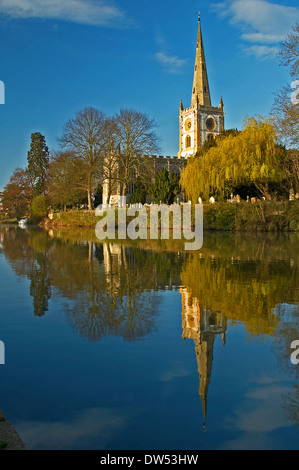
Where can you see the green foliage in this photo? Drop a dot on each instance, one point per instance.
(75, 218)
(239, 159)
(213, 142)
(260, 216)
(17, 194)
(165, 188)
(140, 193)
(66, 180)
(38, 209)
(3, 444)
(38, 162)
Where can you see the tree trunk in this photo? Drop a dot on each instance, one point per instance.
(89, 199)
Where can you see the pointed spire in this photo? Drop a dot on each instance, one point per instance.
(181, 105)
(221, 104)
(200, 90)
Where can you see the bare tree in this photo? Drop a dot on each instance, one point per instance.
(284, 110)
(109, 168)
(289, 51)
(291, 169)
(286, 117)
(66, 185)
(84, 135)
(135, 137)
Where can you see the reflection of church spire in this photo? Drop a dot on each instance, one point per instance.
(202, 326)
(204, 357)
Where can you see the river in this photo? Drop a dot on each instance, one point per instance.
(144, 345)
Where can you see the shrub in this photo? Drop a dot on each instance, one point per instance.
(38, 209)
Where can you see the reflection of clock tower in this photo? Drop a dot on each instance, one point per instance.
(201, 121)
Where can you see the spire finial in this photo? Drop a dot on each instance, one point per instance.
(199, 16)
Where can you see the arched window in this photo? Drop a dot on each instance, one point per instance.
(188, 141)
(210, 137)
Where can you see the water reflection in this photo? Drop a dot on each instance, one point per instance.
(113, 289)
(202, 326)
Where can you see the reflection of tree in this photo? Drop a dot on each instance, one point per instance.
(105, 315)
(109, 289)
(27, 253)
(40, 286)
(244, 291)
(287, 332)
(117, 299)
(229, 283)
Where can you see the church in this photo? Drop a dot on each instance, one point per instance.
(201, 121)
(197, 124)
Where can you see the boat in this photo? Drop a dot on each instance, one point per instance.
(23, 222)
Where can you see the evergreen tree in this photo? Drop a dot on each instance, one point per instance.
(139, 194)
(165, 188)
(38, 162)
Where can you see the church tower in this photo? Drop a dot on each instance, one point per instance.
(201, 121)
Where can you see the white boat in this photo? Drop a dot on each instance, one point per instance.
(23, 222)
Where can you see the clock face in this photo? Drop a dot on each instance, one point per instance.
(188, 124)
(210, 124)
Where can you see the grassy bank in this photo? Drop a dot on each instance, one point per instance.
(259, 217)
(9, 221)
(253, 217)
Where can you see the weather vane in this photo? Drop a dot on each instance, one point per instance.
(198, 15)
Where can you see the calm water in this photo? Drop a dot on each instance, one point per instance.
(134, 347)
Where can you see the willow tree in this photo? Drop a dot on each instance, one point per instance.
(246, 158)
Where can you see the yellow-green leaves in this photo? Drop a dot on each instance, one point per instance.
(248, 157)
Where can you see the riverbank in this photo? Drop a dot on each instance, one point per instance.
(264, 216)
(9, 221)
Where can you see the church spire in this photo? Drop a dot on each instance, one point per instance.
(200, 90)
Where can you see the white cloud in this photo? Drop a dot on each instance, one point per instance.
(261, 51)
(262, 38)
(172, 63)
(261, 414)
(91, 12)
(260, 22)
(99, 423)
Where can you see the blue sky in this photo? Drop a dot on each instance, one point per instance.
(57, 57)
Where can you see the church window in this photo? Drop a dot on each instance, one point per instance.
(210, 137)
(188, 141)
(210, 124)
